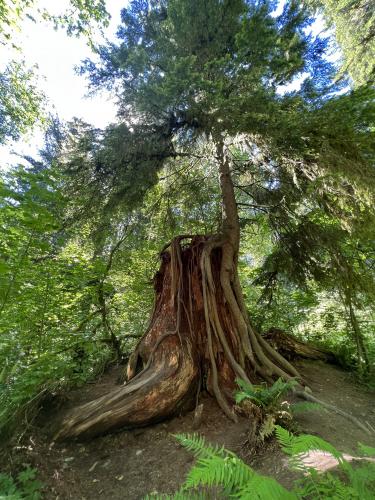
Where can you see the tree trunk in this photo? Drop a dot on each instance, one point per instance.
(199, 336)
(363, 360)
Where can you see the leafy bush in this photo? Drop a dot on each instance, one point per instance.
(58, 306)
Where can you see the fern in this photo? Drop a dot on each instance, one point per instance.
(264, 487)
(368, 451)
(360, 481)
(218, 467)
(222, 470)
(303, 406)
(228, 472)
(298, 446)
(248, 392)
(261, 395)
(325, 486)
(197, 445)
(268, 427)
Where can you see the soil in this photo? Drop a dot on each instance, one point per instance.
(133, 463)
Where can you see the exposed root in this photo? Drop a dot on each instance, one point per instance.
(309, 397)
(199, 334)
(158, 392)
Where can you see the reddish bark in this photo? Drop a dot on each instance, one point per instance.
(171, 362)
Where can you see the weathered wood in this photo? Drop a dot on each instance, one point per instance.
(291, 348)
(171, 360)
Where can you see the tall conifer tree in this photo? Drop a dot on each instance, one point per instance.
(202, 80)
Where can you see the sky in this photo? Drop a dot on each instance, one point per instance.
(56, 55)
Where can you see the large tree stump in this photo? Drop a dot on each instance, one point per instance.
(198, 338)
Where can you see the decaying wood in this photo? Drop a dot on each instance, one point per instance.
(291, 348)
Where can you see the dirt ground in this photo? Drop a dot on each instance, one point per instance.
(130, 464)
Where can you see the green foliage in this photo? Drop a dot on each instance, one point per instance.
(11, 12)
(269, 399)
(221, 471)
(297, 446)
(81, 231)
(326, 300)
(263, 396)
(304, 406)
(219, 467)
(80, 17)
(21, 103)
(353, 23)
(359, 479)
(57, 302)
(301, 161)
(24, 487)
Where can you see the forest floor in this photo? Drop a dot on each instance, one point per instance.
(130, 464)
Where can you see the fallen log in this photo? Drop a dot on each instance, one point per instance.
(291, 348)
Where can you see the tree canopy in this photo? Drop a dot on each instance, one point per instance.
(353, 24)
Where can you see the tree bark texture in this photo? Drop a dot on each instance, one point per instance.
(291, 348)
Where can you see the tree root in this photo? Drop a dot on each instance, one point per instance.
(199, 334)
(309, 397)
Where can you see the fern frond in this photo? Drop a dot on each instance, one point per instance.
(263, 487)
(245, 386)
(268, 427)
(229, 472)
(305, 406)
(298, 446)
(219, 468)
(285, 439)
(197, 445)
(248, 391)
(330, 486)
(368, 451)
(241, 395)
(262, 395)
(362, 479)
(280, 387)
(293, 445)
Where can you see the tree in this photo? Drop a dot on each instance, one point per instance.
(21, 102)
(198, 81)
(354, 25)
(80, 18)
